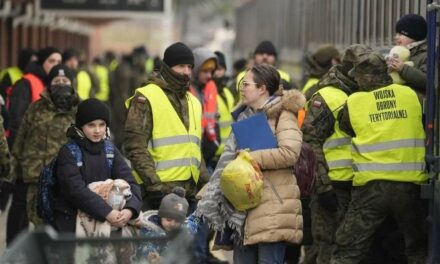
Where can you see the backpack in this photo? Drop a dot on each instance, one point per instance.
(48, 181)
(306, 167)
(305, 170)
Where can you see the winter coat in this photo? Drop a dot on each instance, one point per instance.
(272, 220)
(415, 77)
(20, 100)
(151, 227)
(41, 135)
(279, 216)
(73, 193)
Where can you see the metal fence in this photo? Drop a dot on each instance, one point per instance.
(48, 247)
(299, 25)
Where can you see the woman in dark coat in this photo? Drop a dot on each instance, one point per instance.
(89, 132)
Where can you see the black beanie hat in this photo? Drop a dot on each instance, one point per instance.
(70, 53)
(221, 61)
(60, 70)
(413, 26)
(25, 57)
(266, 47)
(178, 53)
(91, 110)
(45, 53)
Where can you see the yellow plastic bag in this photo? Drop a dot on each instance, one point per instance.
(242, 182)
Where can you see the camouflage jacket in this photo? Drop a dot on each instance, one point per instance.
(138, 132)
(319, 122)
(40, 136)
(4, 152)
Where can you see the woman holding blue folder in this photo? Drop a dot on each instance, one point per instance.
(261, 233)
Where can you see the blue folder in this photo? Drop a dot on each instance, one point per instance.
(254, 133)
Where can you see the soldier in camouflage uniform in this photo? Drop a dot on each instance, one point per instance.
(385, 123)
(43, 131)
(331, 195)
(318, 64)
(139, 127)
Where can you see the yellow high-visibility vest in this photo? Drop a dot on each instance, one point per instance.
(310, 82)
(225, 119)
(14, 73)
(113, 65)
(149, 65)
(337, 148)
(84, 85)
(175, 150)
(104, 85)
(389, 143)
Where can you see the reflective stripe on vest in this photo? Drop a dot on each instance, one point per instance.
(403, 143)
(175, 150)
(310, 82)
(104, 86)
(389, 142)
(37, 86)
(84, 85)
(337, 148)
(225, 119)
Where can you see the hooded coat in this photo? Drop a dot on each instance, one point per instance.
(279, 215)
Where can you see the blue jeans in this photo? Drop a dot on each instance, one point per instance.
(262, 253)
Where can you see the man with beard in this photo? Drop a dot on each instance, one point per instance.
(163, 131)
(331, 146)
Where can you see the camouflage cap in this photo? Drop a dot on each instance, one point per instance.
(369, 63)
(325, 53)
(351, 56)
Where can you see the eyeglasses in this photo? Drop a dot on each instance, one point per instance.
(245, 84)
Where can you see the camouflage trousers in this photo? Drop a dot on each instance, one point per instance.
(324, 226)
(369, 207)
(31, 199)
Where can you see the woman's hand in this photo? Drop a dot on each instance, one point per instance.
(113, 217)
(395, 64)
(124, 216)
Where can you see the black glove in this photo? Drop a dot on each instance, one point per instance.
(5, 169)
(6, 190)
(328, 201)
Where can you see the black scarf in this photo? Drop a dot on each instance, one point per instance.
(171, 81)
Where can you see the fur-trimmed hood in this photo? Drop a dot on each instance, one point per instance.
(149, 225)
(288, 100)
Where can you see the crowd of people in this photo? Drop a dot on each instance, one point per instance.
(163, 128)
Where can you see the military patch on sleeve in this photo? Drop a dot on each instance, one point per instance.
(141, 100)
(316, 104)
